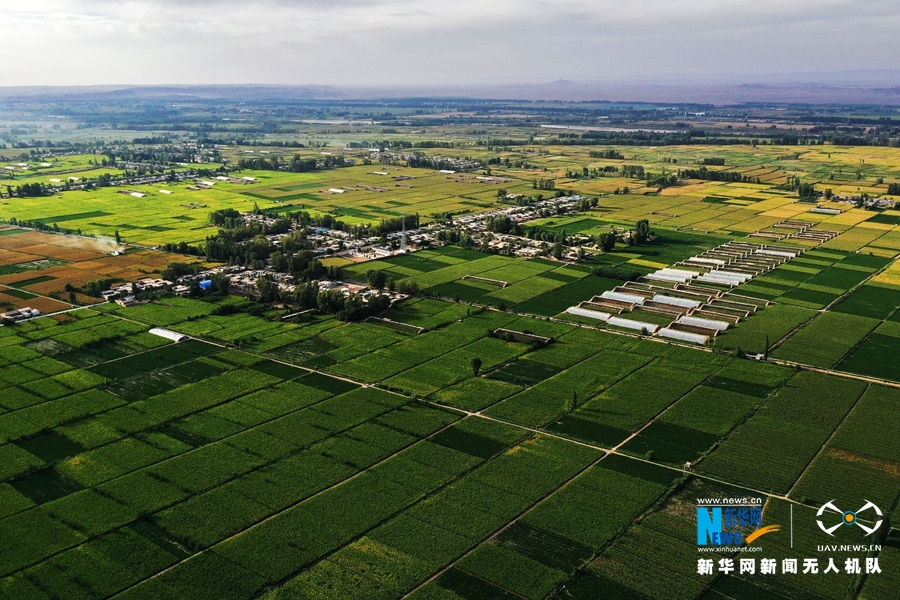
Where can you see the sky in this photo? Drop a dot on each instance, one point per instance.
(437, 42)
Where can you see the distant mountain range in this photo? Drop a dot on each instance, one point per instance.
(848, 87)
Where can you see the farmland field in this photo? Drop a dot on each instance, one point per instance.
(281, 453)
(37, 267)
(139, 449)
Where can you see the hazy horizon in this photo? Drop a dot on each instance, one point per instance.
(848, 89)
(428, 43)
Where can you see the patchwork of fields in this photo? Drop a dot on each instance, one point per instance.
(356, 461)
(315, 459)
(36, 267)
(182, 215)
(372, 193)
(855, 334)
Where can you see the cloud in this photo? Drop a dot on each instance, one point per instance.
(430, 41)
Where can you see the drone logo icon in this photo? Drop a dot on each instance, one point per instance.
(848, 518)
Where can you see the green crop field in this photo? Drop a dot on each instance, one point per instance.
(740, 208)
(284, 456)
(187, 454)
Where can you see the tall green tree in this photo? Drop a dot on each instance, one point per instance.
(641, 231)
(607, 241)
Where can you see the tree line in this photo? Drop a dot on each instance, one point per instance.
(295, 165)
(608, 154)
(707, 175)
(420, 161)
(29, 190)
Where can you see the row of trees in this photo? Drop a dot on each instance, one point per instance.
(377, 279)
(609, 153)
(592, 173)
(40, 226)
(707, 175)
(420, 161)
(401, 144)
(543, 235)
(502, 224)
(636, 171)
(241, 242)
(27, 190)
(295, 165)
(806, 190)
(310, 296)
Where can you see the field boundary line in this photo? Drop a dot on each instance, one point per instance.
(827, 308)
(605, 387)
(532, 429)
(570, 440)
(664, 410)
(102, 386)
(295, 504)
(830, 371)
(225, 439)
(12, 287)
(408, 398)
(624, 455)
(537, 503)
(830, 437)
(750, 414)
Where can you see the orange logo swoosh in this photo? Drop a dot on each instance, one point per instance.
(761, 531)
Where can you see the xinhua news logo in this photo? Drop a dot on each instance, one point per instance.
(829, 522)
(734, 525)
(724, 524)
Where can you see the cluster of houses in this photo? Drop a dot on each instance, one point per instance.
(455, 164)
(334, 242)
(19, 166)
(226, 179)
(20, 314)
(124, 294)
(244, 281)
(341, 243)
(476, 226)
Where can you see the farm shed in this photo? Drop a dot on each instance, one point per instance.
(21, 314)
(169, 335)
(590, 314)
(631, 324)
(674, 301)
(705, 323)
(632, 298)
(684, 336)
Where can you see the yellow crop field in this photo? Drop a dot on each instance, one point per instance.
(889, 241)
(853, 239)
